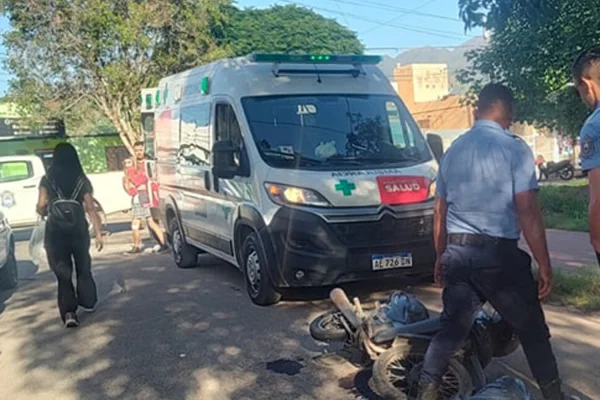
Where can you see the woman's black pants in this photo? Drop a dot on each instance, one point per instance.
(63, 252)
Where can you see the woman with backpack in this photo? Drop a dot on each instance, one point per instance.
(65, 195)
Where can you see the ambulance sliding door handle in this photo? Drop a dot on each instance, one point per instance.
(29, 187)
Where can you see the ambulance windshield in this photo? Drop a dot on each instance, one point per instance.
(335, 131)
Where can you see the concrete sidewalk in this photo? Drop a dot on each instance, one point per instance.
(569, 250)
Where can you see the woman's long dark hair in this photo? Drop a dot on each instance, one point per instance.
(66, 168)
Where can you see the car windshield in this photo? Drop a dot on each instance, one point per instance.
(11, 171)
(335, 131)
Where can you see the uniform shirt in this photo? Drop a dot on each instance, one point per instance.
(480, 175)
(590, 141)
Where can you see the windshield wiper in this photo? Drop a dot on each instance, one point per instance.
(338, 159)
(296, 158)
(372, 159)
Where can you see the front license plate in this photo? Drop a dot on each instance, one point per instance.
(391, 261)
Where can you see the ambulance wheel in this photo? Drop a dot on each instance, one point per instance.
(185, 256)
(255, 266)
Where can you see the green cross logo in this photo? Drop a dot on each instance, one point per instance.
(345, 187)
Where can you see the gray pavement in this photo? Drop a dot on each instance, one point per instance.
(164, 333)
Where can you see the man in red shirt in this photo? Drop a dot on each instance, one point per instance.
(135, 182)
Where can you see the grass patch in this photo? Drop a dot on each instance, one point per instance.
(565, 206)
(579, 289)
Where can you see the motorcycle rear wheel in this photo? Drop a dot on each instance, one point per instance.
(567, 174)
(396, 374)
(327, 327)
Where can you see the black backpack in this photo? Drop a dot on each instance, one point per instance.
(66, 213)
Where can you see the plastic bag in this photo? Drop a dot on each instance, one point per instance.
(505, 388)
(37, 249)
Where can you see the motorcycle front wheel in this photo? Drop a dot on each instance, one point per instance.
(328, 327)
(396, 374)
(567, 174)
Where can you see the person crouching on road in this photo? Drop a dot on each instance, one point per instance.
(486, 194)
(135, 182)
(65, 195)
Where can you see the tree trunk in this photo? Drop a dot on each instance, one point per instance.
(127, 132)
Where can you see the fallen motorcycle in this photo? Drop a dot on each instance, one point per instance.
(395, 334)
(563, 169)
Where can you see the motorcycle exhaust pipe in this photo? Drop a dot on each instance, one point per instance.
(341, 301)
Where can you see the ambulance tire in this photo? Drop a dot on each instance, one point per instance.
(256, 274)
(185, 255)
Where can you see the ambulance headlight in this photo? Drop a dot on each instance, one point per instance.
(431, 192)
(290, 195)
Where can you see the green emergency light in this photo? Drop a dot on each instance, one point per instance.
(157, 98)
(204, 85)
(315, 58)
(148, 101)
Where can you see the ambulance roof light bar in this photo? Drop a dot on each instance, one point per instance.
(350, 59)
(356, 61)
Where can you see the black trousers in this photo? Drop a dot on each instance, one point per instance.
(63, 251)
(501, 274)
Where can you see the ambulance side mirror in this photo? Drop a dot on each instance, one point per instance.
(223, 160)
(437, 145)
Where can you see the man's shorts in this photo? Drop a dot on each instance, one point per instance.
(138, 211)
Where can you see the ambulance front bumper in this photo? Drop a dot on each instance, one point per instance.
(316, 249)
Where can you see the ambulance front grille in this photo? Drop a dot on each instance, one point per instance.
(387, 230)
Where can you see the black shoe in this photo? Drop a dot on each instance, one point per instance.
(163, 249)
(134, 250)
(552, 390)
(71, 320)
(429, 391)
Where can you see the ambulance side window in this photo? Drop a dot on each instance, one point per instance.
(228, 128)
(402, 135)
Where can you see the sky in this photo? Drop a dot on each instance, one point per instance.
(384, 26)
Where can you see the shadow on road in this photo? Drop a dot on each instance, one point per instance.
(164, 333)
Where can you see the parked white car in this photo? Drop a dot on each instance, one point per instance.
(8, 263)
(20, 178)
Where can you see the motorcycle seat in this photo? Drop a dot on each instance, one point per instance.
(427, 327)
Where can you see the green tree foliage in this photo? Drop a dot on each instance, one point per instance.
(88, 59)
(68, 55)
(532, 47)
(288, 29)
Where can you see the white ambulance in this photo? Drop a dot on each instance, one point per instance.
(301, 170)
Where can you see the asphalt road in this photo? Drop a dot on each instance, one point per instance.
(164, 333)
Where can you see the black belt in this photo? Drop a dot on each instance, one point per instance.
(466, 239)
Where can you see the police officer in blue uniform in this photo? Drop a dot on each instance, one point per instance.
(586, 76)
(486, 194)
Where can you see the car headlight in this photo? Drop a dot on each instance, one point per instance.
(431, 192)
(284, 194)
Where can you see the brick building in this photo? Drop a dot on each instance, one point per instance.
(425, 90)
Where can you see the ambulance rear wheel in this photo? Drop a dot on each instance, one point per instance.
(185, 256)
(255, 266)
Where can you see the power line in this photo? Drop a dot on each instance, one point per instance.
(432, 32)
(399, 17)
(381, 6)
(461, 46)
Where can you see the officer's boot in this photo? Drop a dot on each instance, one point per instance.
(552, 390)
(429, 391)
